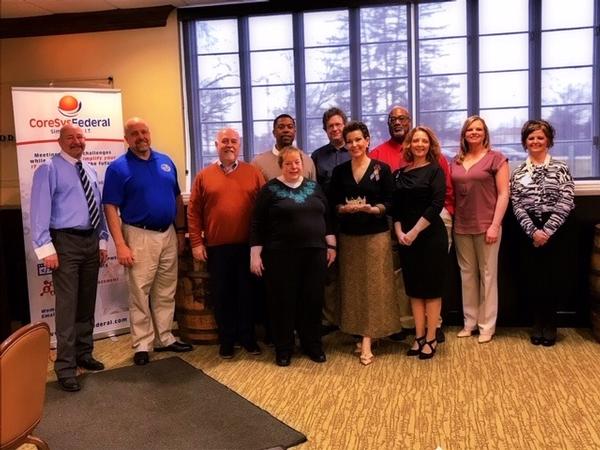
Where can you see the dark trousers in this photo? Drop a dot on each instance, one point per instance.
(295, 282)
(75, 282)
(541, 268)
(229, 269)
(259, 302)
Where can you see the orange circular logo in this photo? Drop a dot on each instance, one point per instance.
(68, 103)
(69, 106)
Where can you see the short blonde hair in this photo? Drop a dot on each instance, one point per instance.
(286, 151)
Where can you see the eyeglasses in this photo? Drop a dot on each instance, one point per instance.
(393, 119)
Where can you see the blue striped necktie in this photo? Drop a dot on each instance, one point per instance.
(89, 195)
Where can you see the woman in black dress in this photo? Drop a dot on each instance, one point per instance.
(292, 244)
(417, 203)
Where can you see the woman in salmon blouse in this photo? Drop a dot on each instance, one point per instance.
(480, 177)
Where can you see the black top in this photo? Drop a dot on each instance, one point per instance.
(419, 193)
(286, 217)
(326, 158)
(376, 187)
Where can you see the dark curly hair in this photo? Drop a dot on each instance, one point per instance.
(355, 125)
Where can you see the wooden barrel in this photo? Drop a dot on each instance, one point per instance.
(595, 285)
(195, 319)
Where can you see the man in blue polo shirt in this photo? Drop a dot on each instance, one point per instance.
(142, 186)
(69, 235)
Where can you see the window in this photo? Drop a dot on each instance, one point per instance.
(384, 66)
(566, 82)
(218, 82)
(445, 60)
(271, 75)
(327, 69)
(504, 74)
(442, 69)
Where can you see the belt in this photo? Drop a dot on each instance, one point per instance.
(148, 227)
(75, 231)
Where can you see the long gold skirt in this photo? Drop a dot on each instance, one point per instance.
(368, 302)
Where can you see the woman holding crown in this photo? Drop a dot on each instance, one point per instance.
(361, 191)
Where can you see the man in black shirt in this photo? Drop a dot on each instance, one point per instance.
(333, 153)
(326, 158)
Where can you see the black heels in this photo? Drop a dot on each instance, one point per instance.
(430, 343)
(417, 351)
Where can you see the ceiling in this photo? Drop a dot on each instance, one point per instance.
(10, 9)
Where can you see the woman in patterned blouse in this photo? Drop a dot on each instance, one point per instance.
(542, 193)
(292, 244)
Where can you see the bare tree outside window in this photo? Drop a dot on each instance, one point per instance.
(442, 80)
(218, 82)
(269, 83)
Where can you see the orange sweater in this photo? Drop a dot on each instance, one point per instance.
(220, 205)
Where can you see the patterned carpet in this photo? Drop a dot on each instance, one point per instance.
(507, 394)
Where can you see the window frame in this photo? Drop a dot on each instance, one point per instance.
(242, 12)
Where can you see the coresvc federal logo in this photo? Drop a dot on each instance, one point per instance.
(69, 107)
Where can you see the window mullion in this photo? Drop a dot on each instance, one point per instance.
(472, 57)
(416, 72)
(193, 97)
(411, 64)
(535, 58)
(299, 80)
(246, 87)
(355, 64)
(596, 87)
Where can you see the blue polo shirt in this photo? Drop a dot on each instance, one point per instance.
(145, 191)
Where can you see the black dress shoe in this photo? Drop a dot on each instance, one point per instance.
(90, 363)
(399, 336)
(536, 340)
(283, 359)
(226, 351)
(548, 342)
(176, 346)
(252, 348)
(317, 356)
(328, 328)
(141, 358)
(69, 384)
(439, 335)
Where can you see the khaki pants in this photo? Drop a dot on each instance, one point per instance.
(152, 285)
(478, 264)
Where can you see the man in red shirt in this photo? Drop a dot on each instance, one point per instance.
(391, 152)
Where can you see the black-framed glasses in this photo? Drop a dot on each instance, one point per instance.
(393, 119)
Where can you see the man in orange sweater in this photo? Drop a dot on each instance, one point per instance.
(219, 211)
